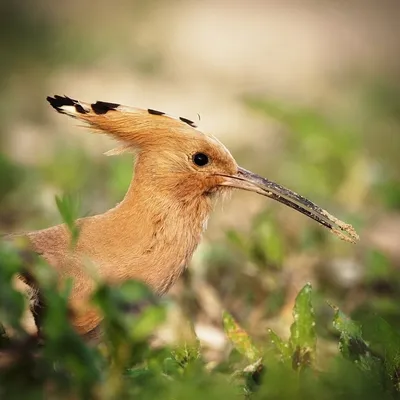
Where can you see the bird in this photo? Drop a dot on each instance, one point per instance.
(151, 235)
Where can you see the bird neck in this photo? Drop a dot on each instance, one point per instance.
(150, 236)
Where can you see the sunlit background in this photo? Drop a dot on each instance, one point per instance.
(306, 93)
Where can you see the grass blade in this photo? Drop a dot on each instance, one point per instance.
(303, 339)
(240, 338)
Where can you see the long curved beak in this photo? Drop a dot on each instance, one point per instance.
(252, 182)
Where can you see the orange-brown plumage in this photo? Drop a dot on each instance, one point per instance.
(152, 234)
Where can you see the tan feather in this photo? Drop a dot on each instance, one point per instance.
(152, 233)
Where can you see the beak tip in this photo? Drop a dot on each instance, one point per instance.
(343, 230)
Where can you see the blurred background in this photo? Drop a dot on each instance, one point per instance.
(303, 92)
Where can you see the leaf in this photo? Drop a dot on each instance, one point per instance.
(303, 338)
(186, 354)
(386, 340)
(68, 207)
(354, 348)
(351, 343)
(281, 347)
(132, 310)
(240, 338)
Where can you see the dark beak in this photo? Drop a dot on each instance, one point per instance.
(247, 180)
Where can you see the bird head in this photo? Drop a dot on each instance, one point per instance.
(183, 162)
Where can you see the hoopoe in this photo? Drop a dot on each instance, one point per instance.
(152, 233)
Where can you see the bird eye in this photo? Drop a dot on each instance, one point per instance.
(200, 159)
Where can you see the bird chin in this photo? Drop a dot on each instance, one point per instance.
(219, 194)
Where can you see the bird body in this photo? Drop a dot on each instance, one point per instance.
(131, 241)
(152, 233)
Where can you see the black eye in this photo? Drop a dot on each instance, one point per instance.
(200, 159)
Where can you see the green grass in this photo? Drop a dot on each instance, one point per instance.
(125, 366)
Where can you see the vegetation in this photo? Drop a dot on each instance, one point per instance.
(284, 338)
(125, 366)
(364, 363)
